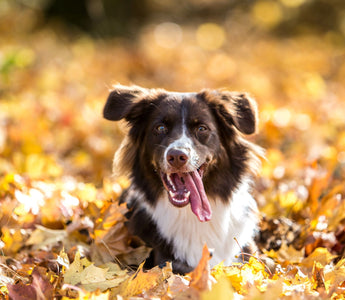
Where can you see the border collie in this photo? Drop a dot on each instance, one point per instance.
(190, 170)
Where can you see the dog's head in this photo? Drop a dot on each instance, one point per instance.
(189, 144)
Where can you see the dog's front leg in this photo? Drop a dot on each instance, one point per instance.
(161, 257)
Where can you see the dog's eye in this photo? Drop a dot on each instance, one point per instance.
(161, 128)
(202, 128)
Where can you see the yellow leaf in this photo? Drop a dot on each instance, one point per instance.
(12, 238)
(92, 274)
(256, 265)
(289, 253)
(43, 236)
(221, 290)
(320, 255)
(335, 276)
(218, 271)
(72, 274)
(235, 276)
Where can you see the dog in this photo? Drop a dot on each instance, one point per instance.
(190, 170)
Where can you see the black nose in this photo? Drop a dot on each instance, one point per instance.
(177, 158)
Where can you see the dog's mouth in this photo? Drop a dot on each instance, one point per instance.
(185, 188)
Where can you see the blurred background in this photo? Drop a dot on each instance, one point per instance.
(59, 58)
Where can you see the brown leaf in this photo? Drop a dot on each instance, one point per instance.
(21, 292)
(318, 275)
(40, 288)
(113, 241)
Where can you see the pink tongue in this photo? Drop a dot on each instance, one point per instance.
(198, 199)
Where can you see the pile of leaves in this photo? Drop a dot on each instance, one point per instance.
(62, 232)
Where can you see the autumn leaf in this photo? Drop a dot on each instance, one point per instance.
(220, 290)
(200, 277)
(72, 274)
(40, 288)
(91, 278)
(317, 186)
(142, 282)
(42, 237)
(112, 240)
(320, 255)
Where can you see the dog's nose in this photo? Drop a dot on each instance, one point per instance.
(177, 158)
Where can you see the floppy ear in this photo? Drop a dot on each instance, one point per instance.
(243, 111)
(120, 101)
(237, 109)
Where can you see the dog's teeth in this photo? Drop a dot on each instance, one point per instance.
(172, 194)
(180, 201)
(188, 194)
(171, 182)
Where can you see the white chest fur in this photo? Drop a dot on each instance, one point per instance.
(236, 219)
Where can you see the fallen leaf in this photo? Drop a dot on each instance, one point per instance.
(72, 274)
(113, 241)
(39, 289)
(319, 182)
(318, 275)
(92, 274)
(93, 278)
(320, 255)
(143, 282)
(220, 290)
(289, 254)
(200, 277)
(42, 237)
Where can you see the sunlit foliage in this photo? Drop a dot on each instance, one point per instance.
(59, 219)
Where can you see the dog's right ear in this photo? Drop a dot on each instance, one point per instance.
(121, 100)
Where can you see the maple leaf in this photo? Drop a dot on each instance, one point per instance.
(143, 283)
(90, 278)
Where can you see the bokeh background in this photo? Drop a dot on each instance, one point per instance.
(59, 58)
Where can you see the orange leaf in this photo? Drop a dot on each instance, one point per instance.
(320, 255)
(200, 277)
(318, 185)
(143, 282)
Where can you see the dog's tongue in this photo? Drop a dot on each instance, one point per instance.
(198, 199)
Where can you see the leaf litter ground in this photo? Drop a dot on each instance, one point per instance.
(62, 231)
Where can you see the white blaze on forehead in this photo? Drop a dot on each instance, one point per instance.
(185, 144)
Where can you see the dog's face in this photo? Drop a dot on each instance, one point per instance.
(180, 141)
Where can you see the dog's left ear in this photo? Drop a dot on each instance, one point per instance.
(237, 109)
